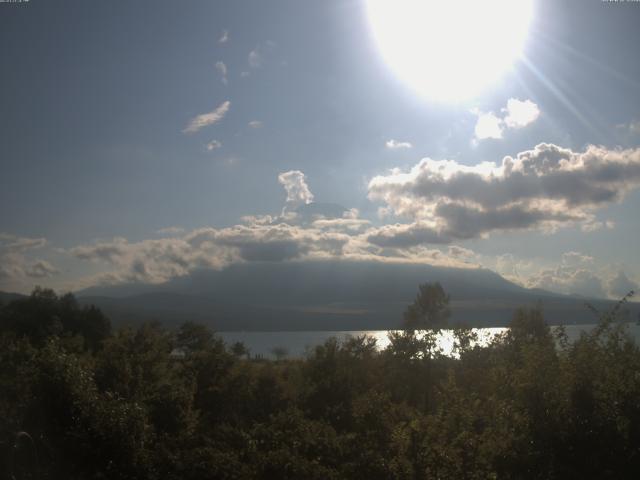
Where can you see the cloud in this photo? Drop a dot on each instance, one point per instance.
(258, 55)
(41, 269)
(517, 114)
(407, 235)
(207, 119)
(576, 259)
(106, 251)
(255, 124)
(488, 126)
(262, 239)
(520, 113)
(224, 38)
(461, 252)
(544, 188)
(150, 261)
(14, 244)
(396, 145)
(593, 226)
(15, 264)
(222, 70)
(170, 231)
(574, 275)
(156, 261)
(298, 192)
(288, 237)
(632, 127)
(620, 285)
(255, 59)
(213, 145)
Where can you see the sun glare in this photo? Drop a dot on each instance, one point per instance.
(450, 50)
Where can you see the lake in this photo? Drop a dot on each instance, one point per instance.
(297, 343)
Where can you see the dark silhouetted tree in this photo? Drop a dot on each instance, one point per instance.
(430, 309)
(239, 349)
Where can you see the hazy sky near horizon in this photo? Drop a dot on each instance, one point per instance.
(143, 140)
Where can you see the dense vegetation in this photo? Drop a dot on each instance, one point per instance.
(151, 403)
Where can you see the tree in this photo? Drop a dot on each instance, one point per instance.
(239, 349)
(279, 352)
(193, 337)
(430, 309)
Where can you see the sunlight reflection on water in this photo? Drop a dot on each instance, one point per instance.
(297, 344)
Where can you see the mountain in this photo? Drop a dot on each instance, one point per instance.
(6, 297)
(327, 295)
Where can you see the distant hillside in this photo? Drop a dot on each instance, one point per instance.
(6, 297)
(327, 296)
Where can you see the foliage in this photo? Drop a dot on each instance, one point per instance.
(430, 309)
(152, 403)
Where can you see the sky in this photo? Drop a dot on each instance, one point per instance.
(141, 141)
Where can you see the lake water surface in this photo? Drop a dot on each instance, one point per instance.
(298, 343)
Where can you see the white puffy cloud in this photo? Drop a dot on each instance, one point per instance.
(295, 185)
(326, 231)
(517, 114)
(544, 188)
(397, 145)
(207, 119)
(520, 113)
(260, 239)
(488, 126)
(222, 70)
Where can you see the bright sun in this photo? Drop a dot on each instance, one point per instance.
(450, 50)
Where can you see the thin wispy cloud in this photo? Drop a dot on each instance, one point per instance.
(224, 38)
(255, 124)
(170, 231)
(213, 145)
(41, 269)
(207, 119)
(397, 145)
(15, 264)
(255, 59)
(257, 56)
(632, 127)
(222, 70)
